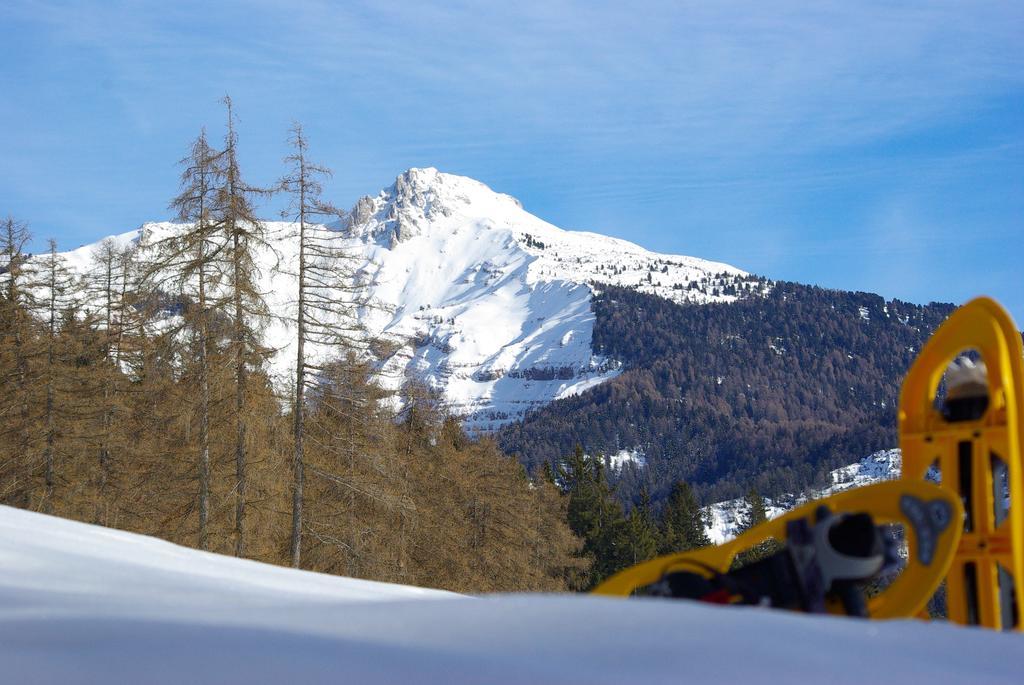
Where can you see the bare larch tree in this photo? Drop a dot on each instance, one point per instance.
(107, 284)
(194, 258)
(15, 334)
(56, 282)
(326, 313)
(245, 237)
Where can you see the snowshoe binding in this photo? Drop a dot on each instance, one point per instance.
(831, 554)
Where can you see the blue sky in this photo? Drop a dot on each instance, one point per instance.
(871, 146)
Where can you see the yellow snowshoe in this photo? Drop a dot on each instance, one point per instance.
(831, 551)
(974, 438)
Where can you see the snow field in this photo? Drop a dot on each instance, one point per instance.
(83, 604)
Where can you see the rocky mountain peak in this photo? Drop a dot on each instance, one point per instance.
(419, 199)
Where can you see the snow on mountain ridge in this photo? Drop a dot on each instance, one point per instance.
(427, 201)
(484, 302)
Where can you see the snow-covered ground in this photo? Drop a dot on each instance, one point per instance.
(82, 604)
(485, 302)
(725, 517)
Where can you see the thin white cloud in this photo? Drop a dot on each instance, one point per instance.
(648, 99)
(751, 75)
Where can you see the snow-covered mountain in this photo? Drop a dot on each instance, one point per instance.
(486, 303)
(85, 604)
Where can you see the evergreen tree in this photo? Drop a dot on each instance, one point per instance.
(547, 473)
(753, 514)
(595, 516)
(641, 531)
(682, 522)
(754, 511)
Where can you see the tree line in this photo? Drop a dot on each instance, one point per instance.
(137, 396)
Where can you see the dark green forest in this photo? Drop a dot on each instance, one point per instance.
(771, 391)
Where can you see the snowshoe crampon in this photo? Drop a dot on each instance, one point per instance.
(973, 437)
(829, 555)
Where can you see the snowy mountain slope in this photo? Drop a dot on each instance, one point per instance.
(486, 303)
(725, 517)
(83, 604)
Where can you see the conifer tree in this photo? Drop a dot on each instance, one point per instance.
(641, 539)
(594, 515)
(343, 409)
(245, 236)
(682, 522)
(55, 279)
(754, 513)
(325, 315)
(163, 460)
(108, 283)
(548, 473)
(16, 337)
(194, 259)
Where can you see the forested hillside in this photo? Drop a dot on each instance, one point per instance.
(769, 392)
